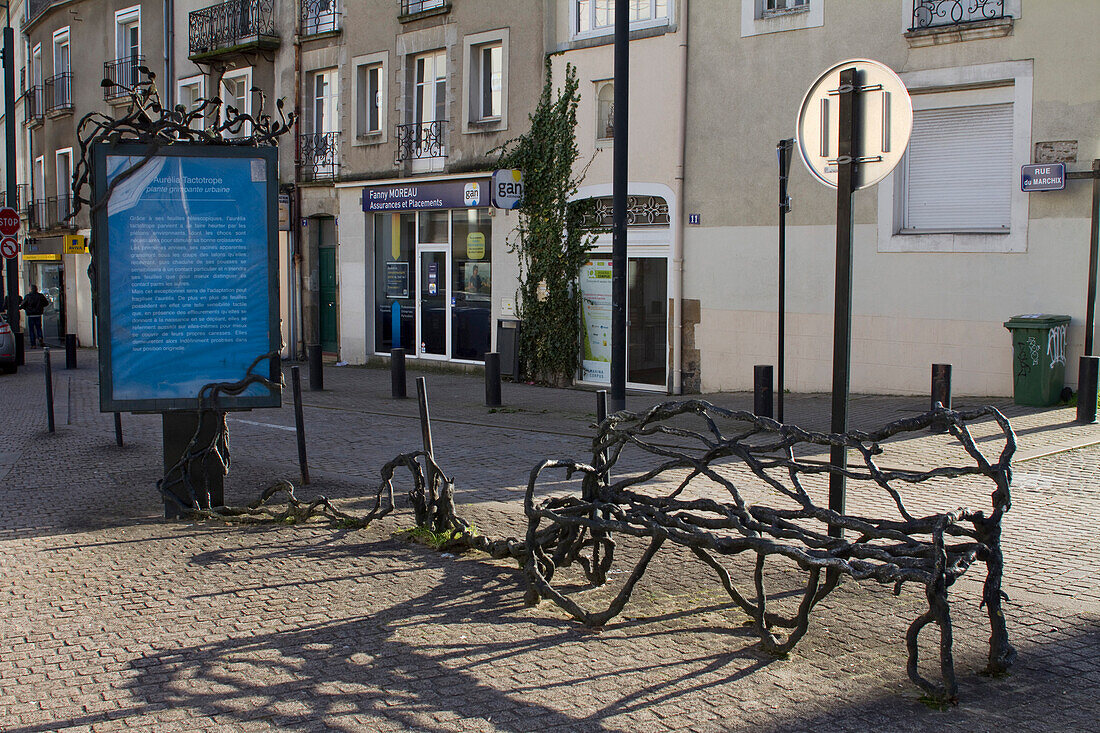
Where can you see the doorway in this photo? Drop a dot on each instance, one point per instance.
(328, 326)
(432, 302)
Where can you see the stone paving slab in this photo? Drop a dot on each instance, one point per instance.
(112, 619)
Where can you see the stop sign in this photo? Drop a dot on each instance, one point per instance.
(9, 221)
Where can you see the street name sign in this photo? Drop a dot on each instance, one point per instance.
(1046, 177)
(884, 117)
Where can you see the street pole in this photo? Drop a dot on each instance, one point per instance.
(783, 150)
(842, 311)
(1090, 305)
(9, 170)
(618, 198)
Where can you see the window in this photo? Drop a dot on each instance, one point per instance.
(370, 95)
(61, 62)
(774, 16)
(486, 81)
(605, 111)
(780, 6)
(128, 45)
(190, 93)
(235, 93)
(36, 65)
(598, 16)
(956, 189)
(430, 88)
(958, 175)
(64, 167)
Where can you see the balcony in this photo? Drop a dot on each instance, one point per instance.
(420, 141)
(50, 213)
(122, 74)
(319, 153)
(59, 94)
(946, 21)
(33, 108)
(23, 198)
(417, 9)
(237, 26)
(319, 16)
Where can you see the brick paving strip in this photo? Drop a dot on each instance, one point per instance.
(112, 619)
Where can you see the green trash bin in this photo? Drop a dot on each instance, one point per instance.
(1038, 357)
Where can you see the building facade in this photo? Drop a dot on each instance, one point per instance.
(948, 247)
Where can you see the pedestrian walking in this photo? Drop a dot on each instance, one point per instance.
(35, 304)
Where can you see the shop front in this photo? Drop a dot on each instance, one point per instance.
(44, 268)
(432, 255)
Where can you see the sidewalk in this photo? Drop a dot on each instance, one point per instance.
(113, 619)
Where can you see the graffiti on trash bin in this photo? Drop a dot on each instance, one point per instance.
(1056, 345)
(1027, 356)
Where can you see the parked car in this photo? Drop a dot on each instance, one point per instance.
(7, 347)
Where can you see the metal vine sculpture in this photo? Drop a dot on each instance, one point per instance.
(688, 497)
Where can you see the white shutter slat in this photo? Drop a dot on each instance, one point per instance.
(959, 169)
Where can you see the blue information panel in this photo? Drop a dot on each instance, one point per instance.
(186, 270)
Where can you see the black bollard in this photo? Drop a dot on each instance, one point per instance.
(426, 430)
(1088, 371)
(492, 379)
(398, 390)
(118, 429)
(49, 389)
(299, 422)
(316, 377)
(762, 392)
(941, 392)
(70, 351)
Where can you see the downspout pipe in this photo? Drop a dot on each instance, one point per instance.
(679, 229)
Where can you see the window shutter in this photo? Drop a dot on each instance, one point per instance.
(959, 170)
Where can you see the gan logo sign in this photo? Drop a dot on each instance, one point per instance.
(507, 189)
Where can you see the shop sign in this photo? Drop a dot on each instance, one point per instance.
(475, 245)
(507, 189)
(41, 257)
(75, 244)
(397, 279)
(415, 196)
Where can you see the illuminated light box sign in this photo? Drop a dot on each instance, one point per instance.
(185, 255)
(414, 196)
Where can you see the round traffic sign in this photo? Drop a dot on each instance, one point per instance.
(884, 117)
(9, 247)
(9, 221)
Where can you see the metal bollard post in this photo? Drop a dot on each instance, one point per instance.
(398, 390)
(601, 415)
(492, 379)
(49, 389)
(316, 376)
(69, 402)
(762, 392)
(1088, 371)
(299, 422)
(941, 392)
(70, 351)
(118, 429)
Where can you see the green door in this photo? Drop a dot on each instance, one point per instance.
(327, 268)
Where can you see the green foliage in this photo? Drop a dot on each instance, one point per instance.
(549, 240)
(433, 539)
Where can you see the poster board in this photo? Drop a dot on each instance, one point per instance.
(186, 269)
(595, 284)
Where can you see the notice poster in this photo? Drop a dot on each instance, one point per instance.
(596, 321)
(397, 279)
(186, 273)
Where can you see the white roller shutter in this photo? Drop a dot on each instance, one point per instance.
(959, 172)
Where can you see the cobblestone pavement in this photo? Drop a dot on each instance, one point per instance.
(113, 619)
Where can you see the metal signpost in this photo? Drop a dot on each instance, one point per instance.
(853, 127)
(783, 151)
(618, 202)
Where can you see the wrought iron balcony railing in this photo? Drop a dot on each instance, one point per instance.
(50, 213)
(123, 74)
(939, 13)
(421, 140)
(319, 155)
(59, 93)
(319, 16)
(33, 107)
(232, 25)
(412, 7)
